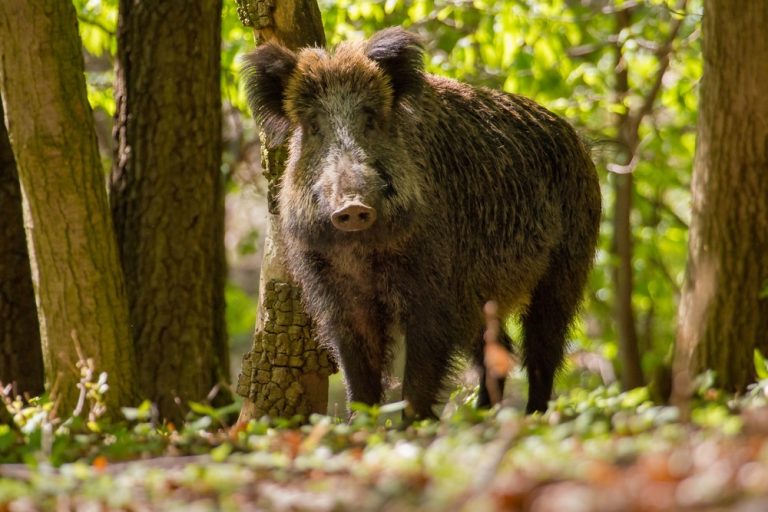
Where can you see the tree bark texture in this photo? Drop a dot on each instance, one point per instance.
(79, 289)
(286, 371)
(167, 199)
(724, 307)
(293, 23)
(21, 358)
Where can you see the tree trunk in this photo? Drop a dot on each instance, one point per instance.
(724, 308)
(628, 123)
(167, 196)
(286, 372)
(76, 274)
(21, 359)
(622, 275)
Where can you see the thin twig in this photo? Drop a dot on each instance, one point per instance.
(664, 54)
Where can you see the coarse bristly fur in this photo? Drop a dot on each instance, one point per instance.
(480, 195)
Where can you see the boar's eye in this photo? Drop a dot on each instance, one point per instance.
(389, 188)
(370, 119)
(313, 127)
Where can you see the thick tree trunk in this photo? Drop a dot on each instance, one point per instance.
(167, 196)
(21, 358)
(286, 372)
(76, 274)
(724, 309)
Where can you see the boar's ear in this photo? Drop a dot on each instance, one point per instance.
(399, 54)
(266, 73)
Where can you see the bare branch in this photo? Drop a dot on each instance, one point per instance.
(664, 54)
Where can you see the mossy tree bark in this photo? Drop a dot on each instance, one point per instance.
(79, 289)
(21, 359)
(167, 196)
(286, 372)
(724, 305)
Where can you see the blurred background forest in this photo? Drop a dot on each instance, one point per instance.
(629, 85)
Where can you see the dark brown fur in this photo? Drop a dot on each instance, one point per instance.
(480, 195)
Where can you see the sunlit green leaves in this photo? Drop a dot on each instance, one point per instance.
(241, 312)
(98, 25)
(97, 21)
(586, 449)
(235, 40)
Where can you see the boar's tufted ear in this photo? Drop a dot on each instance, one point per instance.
(399, 54)
(266, 73)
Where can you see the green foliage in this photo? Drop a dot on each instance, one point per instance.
(586, 447)
(761, 366)
(97, 20)
(240, 314)
(98, 25)
(98, 28)
(40, 435)
(235, 40)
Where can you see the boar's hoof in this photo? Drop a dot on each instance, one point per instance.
(354, 216)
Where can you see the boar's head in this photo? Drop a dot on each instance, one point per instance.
(351, 174)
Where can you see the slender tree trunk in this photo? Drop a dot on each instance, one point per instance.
(167, 195)
(76, 274)
(286, 372)
(629, 354)
(21, 359)
(628, 135)
(724, 307)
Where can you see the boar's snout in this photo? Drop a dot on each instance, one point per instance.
(354, 216)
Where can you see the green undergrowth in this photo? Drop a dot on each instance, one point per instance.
(595, 449)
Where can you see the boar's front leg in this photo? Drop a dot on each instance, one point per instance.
(358, 334)
(431, 340)
(351, 322)
(363, 369)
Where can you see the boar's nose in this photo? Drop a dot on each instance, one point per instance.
(354, 216)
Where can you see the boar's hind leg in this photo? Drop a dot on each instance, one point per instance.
(484, 396)
(545, 325)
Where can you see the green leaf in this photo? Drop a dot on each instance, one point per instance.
(141, 413)
(221, 452)
(202, 409)
(761, 366)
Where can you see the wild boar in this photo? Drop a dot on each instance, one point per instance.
(409, 200)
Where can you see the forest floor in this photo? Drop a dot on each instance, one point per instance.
(593, 450)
